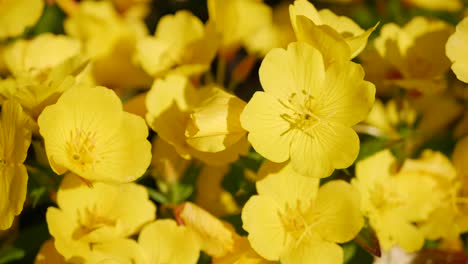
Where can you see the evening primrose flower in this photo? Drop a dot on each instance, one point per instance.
(17, 15)
(89, 218)
(172, 112)
(214, 123)
(278, 33)
(294, 221)
(406, 48)
(450, 217)
(238, 20)
(28, 56)
(181, 44)
(15, 138)
(306, 111)
(41, 69)
(109, 40)
(389, 117)
(87, 132)
(337, 37)
(457, 53)
(164, 242)
(393, 201)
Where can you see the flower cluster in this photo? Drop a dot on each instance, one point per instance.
(248, 133)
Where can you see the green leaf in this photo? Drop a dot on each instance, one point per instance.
(157, 196)
(11, 254)
(349, 250)
(371, 146)
(50, 21)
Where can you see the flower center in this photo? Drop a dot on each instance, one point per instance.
(90, 221)
(385, 198)
(298, 222)
(81, 147)
(303, 117)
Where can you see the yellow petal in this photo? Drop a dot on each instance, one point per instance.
(299, 69)
(347, 98)
(260, 218)
(456, 53)
(338, 204)
(153, 55)
(332, 146)
(15, 132)
(215, 239)
(16, 16)
(40, 54)
(117, 251)
(314, 250)
(163, 241)
(395, 231)
(374, 168)
(13, 192)
(215, 124)
(61, 226)
(324, 38)
(283, 184)
(262, 117)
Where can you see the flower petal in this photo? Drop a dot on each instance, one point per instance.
(262, 117)
(338, 205)
(262, 222)
(347, 98)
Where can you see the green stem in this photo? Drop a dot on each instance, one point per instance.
(221, 71)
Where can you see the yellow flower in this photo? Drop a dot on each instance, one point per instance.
(306, 111)
(439, 5)
(387, 118)
(393, 201)
(337, 37)
(87, 132)
(164, 242)
(211, 196)
(181, 44)
(238, 20)
(278, 33)
(15, 138)
(406, 48)
(41, 68)
(450, 217)
(110, 41)
(17, 15)
(39, 55)
(457, 53)
(294, 221)
(214, 123)
(170, 103)
(215, 238)
(90, 219)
